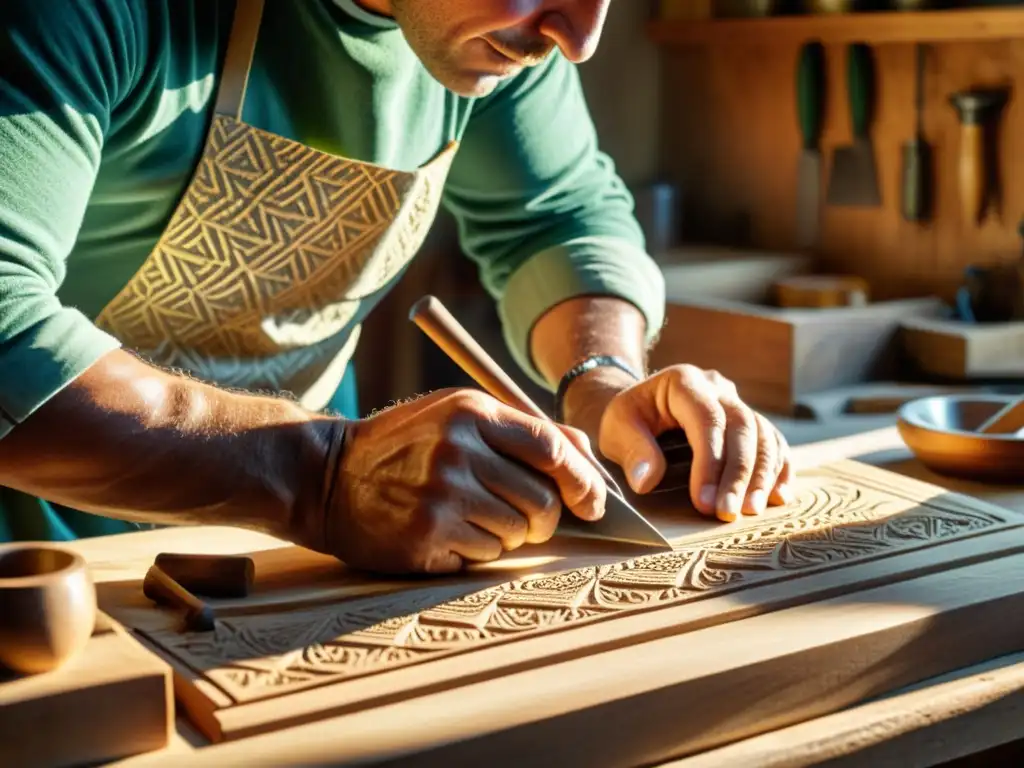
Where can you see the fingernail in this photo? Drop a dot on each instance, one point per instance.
(708, 495)
(639, 474)
(786, 493)
(758, 501)
(730, 507)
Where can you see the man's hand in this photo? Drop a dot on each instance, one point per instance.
(454, 476)
(741, 461)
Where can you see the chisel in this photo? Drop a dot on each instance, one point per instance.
(977, 110)
(621, 522)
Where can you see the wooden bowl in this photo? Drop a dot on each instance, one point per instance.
(47, 606)
(941, 433)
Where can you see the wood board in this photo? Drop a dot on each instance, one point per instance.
(955, 716)
(678, 695)
(114, 701)
(851, 530)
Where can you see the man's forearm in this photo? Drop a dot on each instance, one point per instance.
(577, 329)
(130, 441)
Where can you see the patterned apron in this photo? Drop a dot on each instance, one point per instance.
(270, 261)
(274, 249)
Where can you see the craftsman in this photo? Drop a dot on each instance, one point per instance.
(180, 364)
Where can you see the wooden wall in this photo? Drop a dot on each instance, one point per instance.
(730, 139)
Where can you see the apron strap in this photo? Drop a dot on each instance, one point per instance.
(234, 75)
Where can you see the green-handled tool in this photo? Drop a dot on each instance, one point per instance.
(810, 101)
(917, 156)
(854, 179)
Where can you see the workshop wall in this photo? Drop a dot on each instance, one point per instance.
(730, 140)
(623, 86)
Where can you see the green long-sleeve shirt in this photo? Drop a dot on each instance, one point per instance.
(104, 107)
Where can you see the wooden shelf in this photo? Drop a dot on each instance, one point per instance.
(876, 27)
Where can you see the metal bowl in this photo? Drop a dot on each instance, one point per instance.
(941, 433)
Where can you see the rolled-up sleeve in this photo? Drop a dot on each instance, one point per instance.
(542, 211)
(58, 76)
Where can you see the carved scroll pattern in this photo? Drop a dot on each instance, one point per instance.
(834, 522)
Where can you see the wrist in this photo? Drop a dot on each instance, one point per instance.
(587, 396)
(317, 448)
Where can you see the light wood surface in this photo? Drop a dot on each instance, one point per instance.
(951, 717)
(467, 723)
(111, 701)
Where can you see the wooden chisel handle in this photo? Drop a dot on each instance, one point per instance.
(219, 576)
(972, 171)
(163, 590)
(434, 319)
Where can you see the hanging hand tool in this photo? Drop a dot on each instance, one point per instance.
(917, 155)
(810, 96)
(977, 109)
(854, 179)
(621, 522)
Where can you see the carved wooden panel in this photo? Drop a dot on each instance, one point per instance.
(845, 515)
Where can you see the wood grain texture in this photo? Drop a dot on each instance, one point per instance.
(487, 709)
(953, 717)
(261, 672)
(658, 699)
(731, 141)
(113, 701)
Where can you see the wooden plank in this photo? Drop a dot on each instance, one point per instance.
(666, 698)
(966, 713)
(964, 25)
(113, 701)
(851, 527)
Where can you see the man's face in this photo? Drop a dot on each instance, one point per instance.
(471, 45)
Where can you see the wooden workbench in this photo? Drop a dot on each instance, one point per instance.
(962, 712)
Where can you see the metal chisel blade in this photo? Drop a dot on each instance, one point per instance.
(621, 522)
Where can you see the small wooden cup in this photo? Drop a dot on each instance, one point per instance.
(47, 606)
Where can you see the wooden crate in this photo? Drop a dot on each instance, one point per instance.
(951, 349)
(718, 318)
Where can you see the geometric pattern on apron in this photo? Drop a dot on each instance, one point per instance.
(268, 255)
